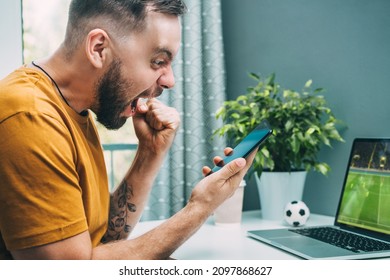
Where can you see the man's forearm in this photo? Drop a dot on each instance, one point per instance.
(128, 200)
(160, 242)
(119, 220)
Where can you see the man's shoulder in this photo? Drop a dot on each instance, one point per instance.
(26, 91)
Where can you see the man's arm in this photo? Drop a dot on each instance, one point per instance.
(160, 242)
(128, 200)
(155, 125)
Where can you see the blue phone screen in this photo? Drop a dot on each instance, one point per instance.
(247, 145)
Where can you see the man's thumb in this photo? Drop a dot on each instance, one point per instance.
(233, 167)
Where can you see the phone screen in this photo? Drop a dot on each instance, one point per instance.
(248, 144)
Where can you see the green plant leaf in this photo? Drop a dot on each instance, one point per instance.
(308, 83)
(254, 76)
(323, 168)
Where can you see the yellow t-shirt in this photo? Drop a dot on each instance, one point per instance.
(53, 181)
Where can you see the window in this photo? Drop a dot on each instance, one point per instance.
(11, 36)
(44, 24)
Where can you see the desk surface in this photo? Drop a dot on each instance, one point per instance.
(212, 242)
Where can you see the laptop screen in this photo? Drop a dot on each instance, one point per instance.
(365, 200)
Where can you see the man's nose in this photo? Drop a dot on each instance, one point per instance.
(167, 79)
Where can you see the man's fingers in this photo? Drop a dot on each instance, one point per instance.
(206, 170)
(232, 168)
(217, 161)
(228, 151)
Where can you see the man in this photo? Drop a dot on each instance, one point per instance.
(54, 200)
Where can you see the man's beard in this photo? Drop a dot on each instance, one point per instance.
(112, 91)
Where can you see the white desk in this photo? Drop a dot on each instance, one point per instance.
(213, 242)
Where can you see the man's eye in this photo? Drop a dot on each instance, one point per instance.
(159, 62)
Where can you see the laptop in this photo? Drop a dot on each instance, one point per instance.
(361, 228)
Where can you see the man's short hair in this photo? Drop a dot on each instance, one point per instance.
(114, 16)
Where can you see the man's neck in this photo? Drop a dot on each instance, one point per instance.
(74, 77)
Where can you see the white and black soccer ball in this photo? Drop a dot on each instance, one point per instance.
(296, 213)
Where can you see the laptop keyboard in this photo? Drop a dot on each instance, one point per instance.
(343, 239)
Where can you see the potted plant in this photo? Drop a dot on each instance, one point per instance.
(302, 124)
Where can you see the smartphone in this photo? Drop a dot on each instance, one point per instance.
(254, 139)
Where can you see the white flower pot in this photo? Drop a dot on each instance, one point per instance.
(276, 189)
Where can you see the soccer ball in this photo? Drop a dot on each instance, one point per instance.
(296, 213)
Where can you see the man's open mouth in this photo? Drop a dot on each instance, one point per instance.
(134, 105)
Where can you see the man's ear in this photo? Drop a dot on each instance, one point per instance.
(97, 47)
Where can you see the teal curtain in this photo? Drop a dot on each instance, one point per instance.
(199, 91)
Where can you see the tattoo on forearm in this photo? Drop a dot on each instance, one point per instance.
(120, 207)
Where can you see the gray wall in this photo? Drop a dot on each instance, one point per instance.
(344, 46)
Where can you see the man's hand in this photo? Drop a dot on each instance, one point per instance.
(155, 125)
(217, 187)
